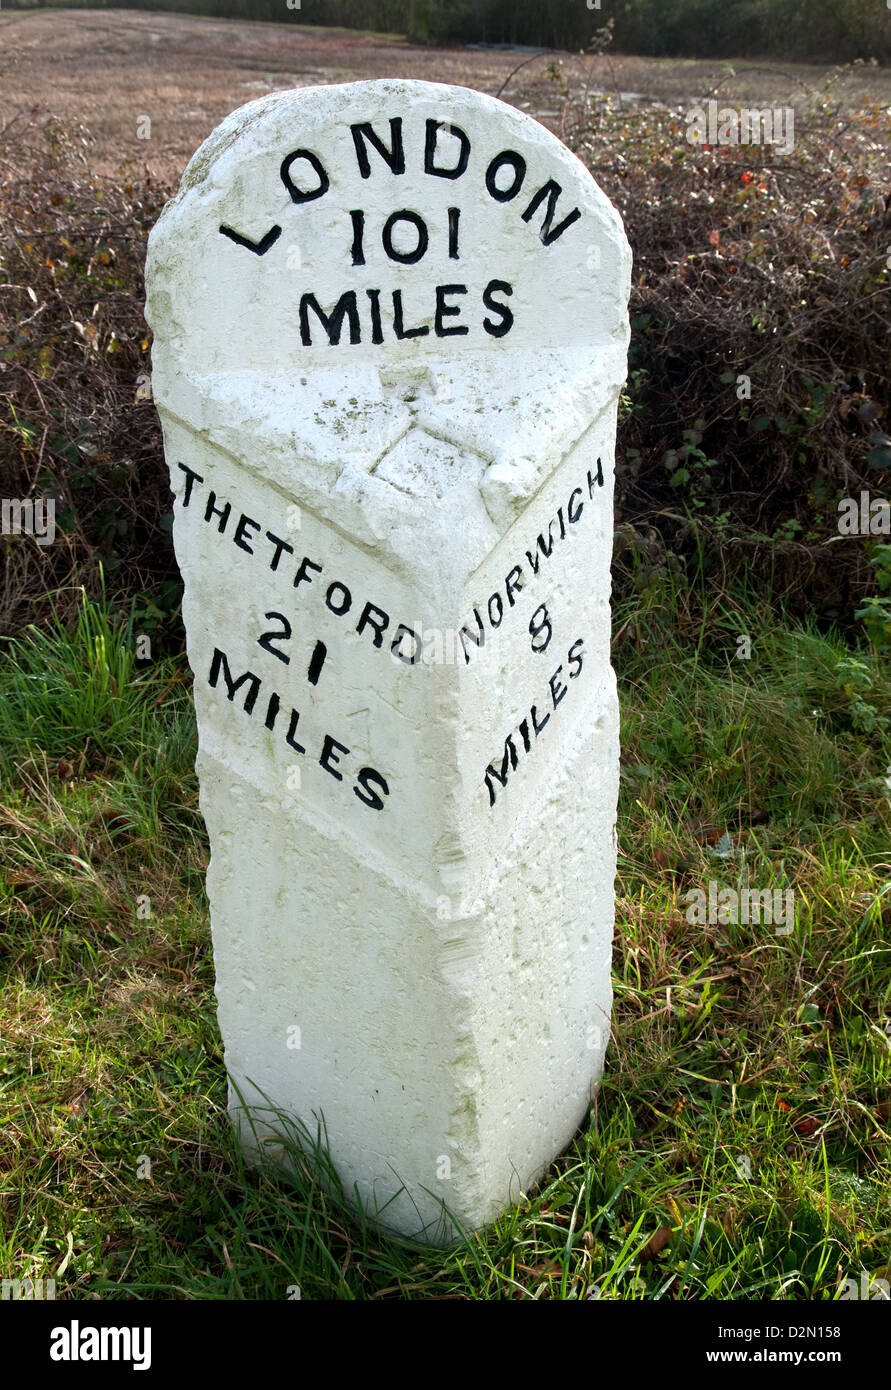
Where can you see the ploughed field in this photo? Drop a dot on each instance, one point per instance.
(111, 69)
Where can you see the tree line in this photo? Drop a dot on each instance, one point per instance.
(818, 30)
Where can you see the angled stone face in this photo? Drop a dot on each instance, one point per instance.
(390, 329)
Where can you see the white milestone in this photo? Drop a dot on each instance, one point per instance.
(390, 333)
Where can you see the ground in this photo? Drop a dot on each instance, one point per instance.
(108, 68)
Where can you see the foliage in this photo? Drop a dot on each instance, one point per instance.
(739, 1144)
(74, 350)
(758, 368)
(758, 388)
(809, 30)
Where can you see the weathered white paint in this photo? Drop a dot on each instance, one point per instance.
(435, 938)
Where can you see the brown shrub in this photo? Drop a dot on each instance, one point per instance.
(73, 344)
(751, 263)
(746, 263)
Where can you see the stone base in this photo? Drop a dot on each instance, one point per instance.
(451, 1048)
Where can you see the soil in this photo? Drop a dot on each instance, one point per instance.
(109, 69)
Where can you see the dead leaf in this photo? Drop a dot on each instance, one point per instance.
(657, 1242)
(706, 834)
(548, 1271)
(806, 1127)
(22, 878)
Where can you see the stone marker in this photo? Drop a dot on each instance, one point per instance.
(391, 329)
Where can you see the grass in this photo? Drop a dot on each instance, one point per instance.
(739, 1147)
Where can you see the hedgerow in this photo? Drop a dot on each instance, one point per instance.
(758, 381)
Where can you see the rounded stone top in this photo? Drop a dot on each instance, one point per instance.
(305, 212)
(348, 272)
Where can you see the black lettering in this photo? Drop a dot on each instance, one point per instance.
(316, 662)
(550, 190)
(222, 512)
(377, 332)
(371, 798)
(241, 528)
(495, 329)
(306, 564)
(478, 641)
(540, 629)
(403, 631)
(358, 220)
(346, 307)
(296, 194)
(511, 584)
(543, 548)
(444, 310)
(394, 157)
(454, 219)
(191, 477)
(574, 516)
(575, 659)
(272, 709)
(380, 627)
(348, 598)
(554, 694)
(598, 478)
(433, 129)
(327, 749)
(292, 729)
(219, 663)
(510, 756)
(523, 727)
(280, 545)
(398, 328)
(260, 247)
(405, 257)
(517, 163)
(267, 638)
(500, 609)
(535, 724)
